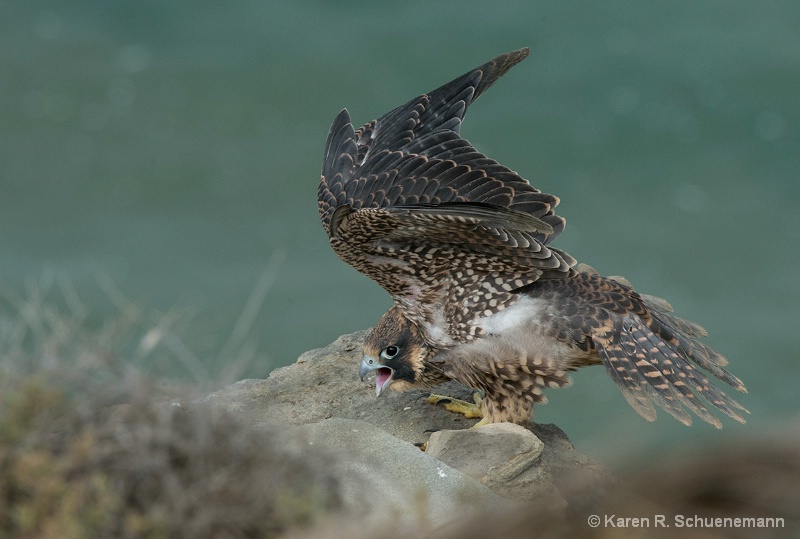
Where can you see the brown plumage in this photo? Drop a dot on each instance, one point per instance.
(462, 244)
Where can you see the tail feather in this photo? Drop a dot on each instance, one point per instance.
(663, 307)
(650, 364)
(618, 367)
(703, 356)
(704, 353)
(677, 374)
(658, 361)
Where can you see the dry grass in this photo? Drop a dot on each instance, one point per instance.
(91, 447)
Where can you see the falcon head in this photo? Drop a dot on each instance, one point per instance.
(399, 355)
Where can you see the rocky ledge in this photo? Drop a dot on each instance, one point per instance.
(372, 444)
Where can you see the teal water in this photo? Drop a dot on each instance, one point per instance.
(175, 148)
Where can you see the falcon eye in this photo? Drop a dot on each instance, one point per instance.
(390, 351)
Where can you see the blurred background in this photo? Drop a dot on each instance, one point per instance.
(170, 152)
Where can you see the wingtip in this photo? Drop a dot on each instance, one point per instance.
(516, 55)
(521, 53)
(342, 118)
(496, 68)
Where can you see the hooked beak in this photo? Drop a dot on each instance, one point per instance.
(383, 374)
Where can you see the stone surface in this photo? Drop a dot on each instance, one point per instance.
(382, 480)
(506, 451)
(383, 476)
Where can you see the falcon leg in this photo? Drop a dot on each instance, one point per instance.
(467, 409)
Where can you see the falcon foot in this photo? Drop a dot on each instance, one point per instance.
(469, 410)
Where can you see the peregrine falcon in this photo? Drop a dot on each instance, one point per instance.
(463, 246)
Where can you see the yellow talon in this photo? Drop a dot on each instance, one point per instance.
(467, 409)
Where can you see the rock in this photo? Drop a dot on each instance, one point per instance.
(514, 462)
(384, 479)
(506, 451)
(371, 441)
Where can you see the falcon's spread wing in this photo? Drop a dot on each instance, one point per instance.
(650, 353)
(404, 199)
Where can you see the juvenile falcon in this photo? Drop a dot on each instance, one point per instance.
(462, 244)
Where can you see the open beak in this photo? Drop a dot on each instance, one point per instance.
(383, 374)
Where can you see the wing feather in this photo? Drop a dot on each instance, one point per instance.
(400, 244)
(414, 154)
(657, 358)
(644, 348)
